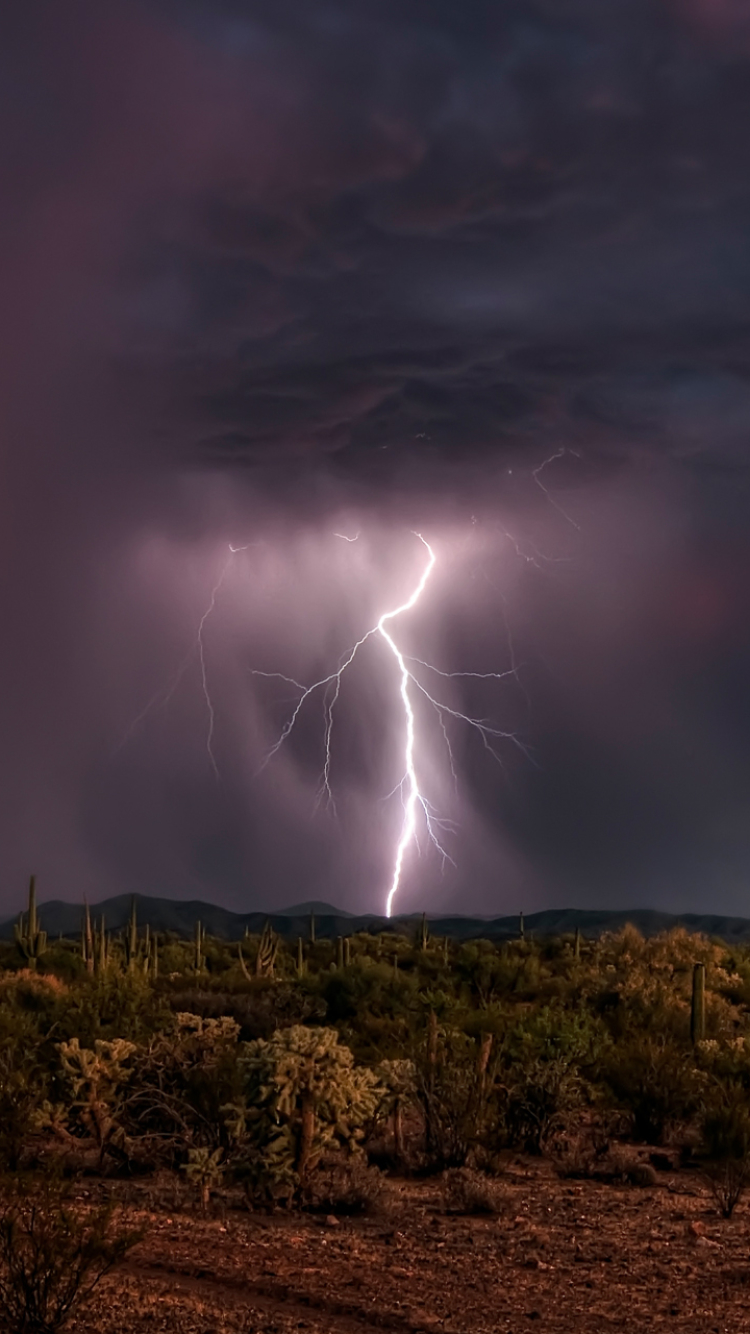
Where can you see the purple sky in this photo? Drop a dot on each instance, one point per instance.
(272, 272)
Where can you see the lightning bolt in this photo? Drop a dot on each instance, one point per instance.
(410, 685)
(535, 472)
(197, 649)
(413, 795)
(413, 798)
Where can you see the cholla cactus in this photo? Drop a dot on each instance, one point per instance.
(305, 1094)
(95, 1077)
(31, 941)
(205, 1169)
(209, 1031)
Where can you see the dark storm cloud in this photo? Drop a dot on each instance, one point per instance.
(479, 212)
(267, 266)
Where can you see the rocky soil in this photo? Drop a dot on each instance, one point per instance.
(560, 1256)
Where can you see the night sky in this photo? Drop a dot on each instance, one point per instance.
(275, 275)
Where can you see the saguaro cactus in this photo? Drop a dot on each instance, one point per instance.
(101, 953)
(87, 939)
(199, 940)
(698, 1004)
(312, 927)
(30, 939)
(300, 958)
(423, 939)
(151, 962)
(521, 930)
(268, 948)
(130, 938)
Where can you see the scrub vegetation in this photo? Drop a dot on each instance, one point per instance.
(261, 1075)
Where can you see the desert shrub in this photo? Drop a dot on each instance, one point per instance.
(656, 1083)
(52, 1257)
(303, 1096)
(467, 1192)
(347, 1186)
(580, 1147)
(534, 1098)
(181, 1081)
(113, 1005)
(258, 1010)
(371, 1005)
(448, 1086)
(725, 1133)
(23, 1086)
(545, 1062)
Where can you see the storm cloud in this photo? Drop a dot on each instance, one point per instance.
(276, 271)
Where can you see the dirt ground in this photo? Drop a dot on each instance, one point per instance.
(561, 1256)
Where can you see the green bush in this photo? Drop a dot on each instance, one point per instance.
(656, 1083)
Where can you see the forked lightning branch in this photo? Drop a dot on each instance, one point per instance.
(407, 685)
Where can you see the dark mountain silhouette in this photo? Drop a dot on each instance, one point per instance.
(313, 905)
(180, 917)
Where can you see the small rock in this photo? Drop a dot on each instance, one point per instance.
(332, 1221)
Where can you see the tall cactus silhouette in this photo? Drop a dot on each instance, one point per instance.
(151, 960)
(199, 941)
(130, 938)
(31, 941)
(101, 952)
(87, 939)
(268, 948)
(423, 938)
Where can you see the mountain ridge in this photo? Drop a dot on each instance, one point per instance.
(180, 915)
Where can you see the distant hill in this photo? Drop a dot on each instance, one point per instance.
(180, 917)
(314, 905)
